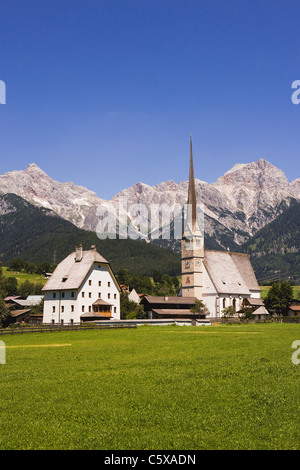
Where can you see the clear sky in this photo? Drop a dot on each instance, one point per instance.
(105, 93)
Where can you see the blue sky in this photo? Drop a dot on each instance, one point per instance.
(105, 93)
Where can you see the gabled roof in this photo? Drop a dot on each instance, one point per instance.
(295, 308)
(37, 298)
(101, 302)
(243, 263)
(70, 273)
(26, 303)
(17, 313)
(261, 311)
(230, 272)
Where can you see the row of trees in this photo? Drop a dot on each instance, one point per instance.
(18, 265)
(156, 284)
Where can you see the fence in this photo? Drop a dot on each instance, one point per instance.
(52, 328)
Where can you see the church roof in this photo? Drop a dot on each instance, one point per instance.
(243, 263)
(231, 273)
(70, 273)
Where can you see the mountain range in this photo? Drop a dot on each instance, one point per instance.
(237, 206)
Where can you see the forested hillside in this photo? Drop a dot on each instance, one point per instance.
(37, 235)
(275, 249)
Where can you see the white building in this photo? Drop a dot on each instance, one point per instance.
(82, 288)
(134, 296)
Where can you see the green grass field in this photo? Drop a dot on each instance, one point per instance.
(21, 277)
(154, 387)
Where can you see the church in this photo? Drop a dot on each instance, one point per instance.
(219, 279)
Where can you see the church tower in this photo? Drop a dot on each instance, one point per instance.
(192, 244)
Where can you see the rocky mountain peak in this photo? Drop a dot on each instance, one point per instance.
(246, 198)
(259, 175)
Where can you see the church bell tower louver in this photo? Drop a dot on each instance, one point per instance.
(192, 243)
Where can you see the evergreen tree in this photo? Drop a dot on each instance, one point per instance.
(279, 297)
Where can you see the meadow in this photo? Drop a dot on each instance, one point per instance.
(153, 387)
(21, 277)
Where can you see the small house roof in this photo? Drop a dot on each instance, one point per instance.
(261, 311)
(174, 311)
(12, 297)
(101, 302)
(295, 308)
(167, 300)
(17, 313)
(94, 315)
(26, 303)
(37, 298)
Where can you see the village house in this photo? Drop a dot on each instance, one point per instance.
(21, 309)
(83, 287)
(294, 309)
(134, 296)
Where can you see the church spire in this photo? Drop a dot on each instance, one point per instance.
(192, 243)
(192, 203)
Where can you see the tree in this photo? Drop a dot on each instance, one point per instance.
(248, 314)
(5, 315)
(124, 276)
(229, 311)
(130, 309)
(279, 297)
(11, 286)
(16, 265)
(199, 308)
(38, 309)
(26, 288)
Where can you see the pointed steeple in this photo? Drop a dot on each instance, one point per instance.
(192, 243)
(192, 202)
